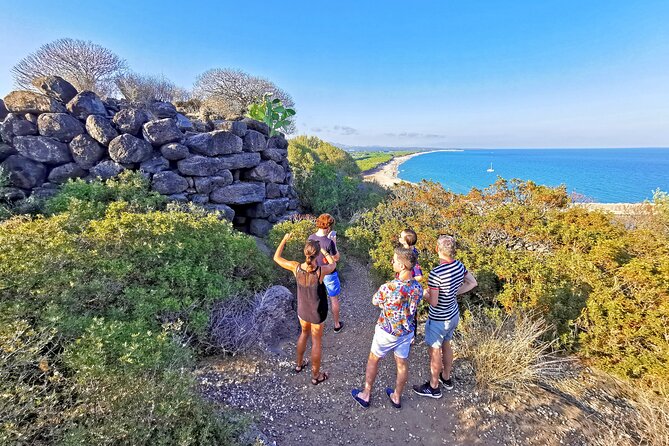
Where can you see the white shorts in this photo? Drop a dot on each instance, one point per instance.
(383, 343)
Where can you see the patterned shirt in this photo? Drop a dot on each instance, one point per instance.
(398, 301)
(447, 278)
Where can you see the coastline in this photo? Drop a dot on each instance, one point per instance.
(386, 175)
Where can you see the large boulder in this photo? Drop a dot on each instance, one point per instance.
(101, 129)
(106, 169)
(31, 102)
(23, 172)
(60, 126)
(199, 166)
(6, 151)
(184, 124)
(267, 208)
(9, 194)
(259, 227)
(254, 141)
(168, 183)
(43, 149)
(161, 132)
(267, 171)
(86, 103)
(277, 142)
(174, 151)
(239, 161)
(56, 87)
(276, 155)
(218, 142)
(225, 211)
(205, 185)
(128, 149)
(61, 174)
(154, 165)
(3, 110)
(235, 127)
(15, 125)
(239, 193)
(86, 151)
(258, 126)
(163, 109)
(131, 120)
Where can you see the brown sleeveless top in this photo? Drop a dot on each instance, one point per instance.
(312, 301)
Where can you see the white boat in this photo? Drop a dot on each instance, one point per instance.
(490, 169)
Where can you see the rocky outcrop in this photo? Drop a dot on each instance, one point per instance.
(232, 168)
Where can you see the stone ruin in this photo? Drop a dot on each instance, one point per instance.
(233, 167)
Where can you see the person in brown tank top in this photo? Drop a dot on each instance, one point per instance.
(312, 304)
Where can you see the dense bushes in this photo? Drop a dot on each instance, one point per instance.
(601, 286)
(327, 178)
(109, 298)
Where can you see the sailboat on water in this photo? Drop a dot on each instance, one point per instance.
(490, 169)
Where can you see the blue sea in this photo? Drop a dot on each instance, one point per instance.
(601, 175)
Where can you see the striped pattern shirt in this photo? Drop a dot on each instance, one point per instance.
(447, 278)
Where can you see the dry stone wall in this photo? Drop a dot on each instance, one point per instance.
(233, 167)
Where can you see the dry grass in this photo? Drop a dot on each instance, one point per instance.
(507, 353)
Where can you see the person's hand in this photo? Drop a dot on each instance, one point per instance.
(287, 236)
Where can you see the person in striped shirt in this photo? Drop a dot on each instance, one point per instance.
(444, 282)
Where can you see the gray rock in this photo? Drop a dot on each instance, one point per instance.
(86, 151)
(101, 129)
(6, 151)
(275, 155)
(9, 194)
(199, 125)
(163, 109)
(168, 183)
(24, 172)
(106, 169)
(239, 193)
(30, 118)
(224, 211)
(273, 190)
(60, 126)
(218, 142)
(129, 149)
(235, 127)
(239, 161)
(31, 102)
(199, 166)
(16, 125)
(179, 198)
(200, 198)
(46, 190)
(267, 171)
(131, 120)
(254, 142)
(61, 174)
(205, 185)
(161, 131)
(42, 149)
(174, 151)
(293, 204)
(258, 126)
(3, 110)
(86, 103)
(184, 123)
(260, 227)
(268, 208)
(154, 165)
(284, 188)
(277, 142)
(56, 87)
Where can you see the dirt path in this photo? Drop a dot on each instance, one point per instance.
(289, 410)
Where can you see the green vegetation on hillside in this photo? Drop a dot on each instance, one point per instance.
(370, 160)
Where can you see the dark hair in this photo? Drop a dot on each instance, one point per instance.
(410, 237)
(325, 221)
(406, 256)
(311, 250)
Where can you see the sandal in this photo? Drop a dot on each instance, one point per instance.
(299, 368)
(319, 379)
(389, 392)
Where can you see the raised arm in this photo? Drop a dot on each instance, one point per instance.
(332, 262)
(468, 284)
(290, 265)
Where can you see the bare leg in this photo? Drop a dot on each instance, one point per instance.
(316, 347)
(302, 341)
(402, 375)
(447, 355)
(334, 300)
(435, 366)
(370, 376)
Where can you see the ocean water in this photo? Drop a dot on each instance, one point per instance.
(602, 175)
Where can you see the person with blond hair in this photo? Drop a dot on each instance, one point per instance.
(328, 241)
(445, 282)
(312, 304)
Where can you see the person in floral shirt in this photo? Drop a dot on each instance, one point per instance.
(398, 300)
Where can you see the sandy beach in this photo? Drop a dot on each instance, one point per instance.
(386, 175)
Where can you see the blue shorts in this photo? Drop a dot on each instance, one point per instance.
(438, 332)
(331, 282)
(384, 343)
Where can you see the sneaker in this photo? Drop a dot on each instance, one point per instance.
(427, 390)
(447, 383)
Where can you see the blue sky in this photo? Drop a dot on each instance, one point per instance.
(468, 73)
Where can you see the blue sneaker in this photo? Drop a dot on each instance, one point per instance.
(427, 390)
